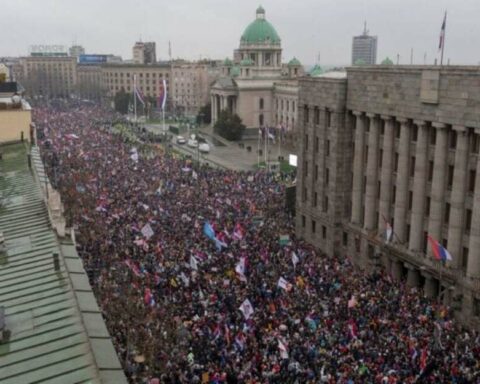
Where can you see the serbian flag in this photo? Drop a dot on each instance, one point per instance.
(439, 252)
(442, 32)
(162, 95)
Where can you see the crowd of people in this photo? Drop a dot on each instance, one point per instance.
(200, 277)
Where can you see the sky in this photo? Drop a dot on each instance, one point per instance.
(212, 28)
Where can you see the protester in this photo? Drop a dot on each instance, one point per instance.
(195, 286)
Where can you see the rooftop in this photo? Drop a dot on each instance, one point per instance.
(57, 331)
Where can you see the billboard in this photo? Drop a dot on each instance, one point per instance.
(48, 50)
(92, 59)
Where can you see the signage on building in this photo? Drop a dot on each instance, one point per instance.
(48, 50)
(92, 59)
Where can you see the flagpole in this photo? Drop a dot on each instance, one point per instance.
(135, 96)
(443, 39)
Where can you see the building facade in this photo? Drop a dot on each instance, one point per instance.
(364, 49)
(76, 50)
(144, 53)
(396, 147)
(48, 76)
(254, 80)
(89, 82)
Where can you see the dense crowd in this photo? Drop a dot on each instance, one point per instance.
(196, 287)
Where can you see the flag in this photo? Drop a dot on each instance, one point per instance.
(423, 358)
(284, 284)
(247, 309)
(442, 32)
(136, 91)
(439, 252)
(193, 263)
(162, 94)
(388, 232)
(208, 231)
(295, 259)
(240, 269)
(147, 231)
(283, 350)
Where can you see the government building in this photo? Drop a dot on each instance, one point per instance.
(395, 147)
(255, 85)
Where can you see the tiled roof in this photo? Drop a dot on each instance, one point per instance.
(57, 331)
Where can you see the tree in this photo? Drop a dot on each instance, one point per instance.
(229, 126)
(205, 114)
(121, 100)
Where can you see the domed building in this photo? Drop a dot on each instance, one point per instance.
(255, 83)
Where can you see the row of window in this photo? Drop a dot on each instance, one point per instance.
(280, 104)
(313, 227)
(140, 75)
(316, 115)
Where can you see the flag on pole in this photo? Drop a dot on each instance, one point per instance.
(162, 95)
(247, 309)
(439, 252)
(442, 32)
(208, 230)
(137, 92)
(295, 259)
(240, 269)
(193, 263)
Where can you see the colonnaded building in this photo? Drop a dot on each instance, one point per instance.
(255, 85)
(395, 145)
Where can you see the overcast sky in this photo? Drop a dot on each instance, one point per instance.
(212, 28)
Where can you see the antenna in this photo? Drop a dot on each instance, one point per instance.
(365, 32)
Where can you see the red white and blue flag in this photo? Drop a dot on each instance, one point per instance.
(442, 32)
(162, 95)
(439, 252)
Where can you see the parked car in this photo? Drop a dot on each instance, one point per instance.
(192, 143)
(204, 148)
(181, 140)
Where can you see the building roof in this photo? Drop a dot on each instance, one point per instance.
(316, 71)
(57, 331)
(260, 31)
(235, 71)
(387, 61)
(294, 62)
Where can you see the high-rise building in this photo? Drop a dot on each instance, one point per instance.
(388, 158)
(364, 49)
(144, 53)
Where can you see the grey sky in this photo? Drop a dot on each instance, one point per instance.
(212, 28)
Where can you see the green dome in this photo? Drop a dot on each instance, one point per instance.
(235, 71)
(387, 61)
(316, 70)
(294, 63)
(227, 62)
(246, 62)
(260, 31)
(359, 62)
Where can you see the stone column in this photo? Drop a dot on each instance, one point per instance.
(371, 197)
(401, 198)
(457, 197)
(386, 173)
(419, 186)
(473, 267)
(438, 184)
(357, 187)
(430, 287)
(214, 116)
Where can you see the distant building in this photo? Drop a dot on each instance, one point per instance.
(15, 114)
(49, 76)
(89, 82)
(76, 50)
(364, 49)
(144, 53)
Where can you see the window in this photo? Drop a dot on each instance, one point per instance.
(328, 118)
(325, 204)
(427, 206)
(412, 166)
(327, 148)
(316, 115)
(345, 239)
(306, 142)
(317, 144)
(415, 133)
(425, 242)
(471, 180)
(305, 114)
(408, 233)
(396, 162)
(410, 200)
(380, 158)
(476, 143)
(450, 176)
(261, 103)
(447, 213)
(453, 139)
(315, 199)
(304, 195)
(327, 175)
(430, 170)
(433, 136)
(382, 127)
(316, 173)
(305, 168)
(468, 220)
(260, 120)
(397, 130)
(314, 226)
(303, 221)
(394, 196)
(464, 258)
(324, 232)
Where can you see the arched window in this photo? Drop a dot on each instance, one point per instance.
(261, 103)
(260, 120)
